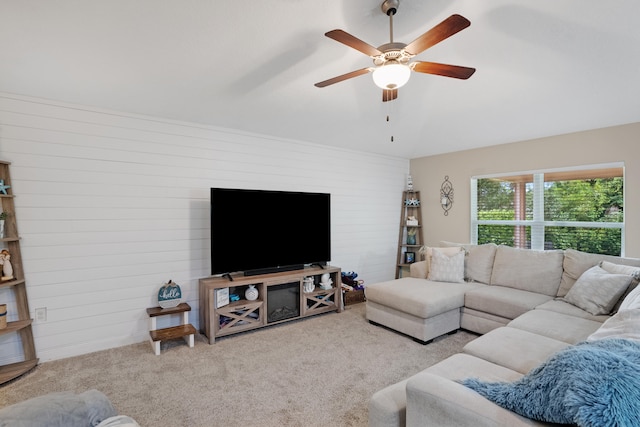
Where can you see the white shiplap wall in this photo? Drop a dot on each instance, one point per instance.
(111, 205)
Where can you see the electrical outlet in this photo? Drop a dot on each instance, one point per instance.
(41, 314)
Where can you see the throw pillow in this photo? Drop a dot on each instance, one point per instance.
(625, 324)
(596, 290)
(622, 269)
(591, 384)
(445, 268)
(631, 301)
(427, 253)
(478, 261)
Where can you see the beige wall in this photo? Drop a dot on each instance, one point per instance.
(614, 144)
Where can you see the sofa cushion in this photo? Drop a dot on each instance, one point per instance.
(478, 262)
(597, 290)
(514, 348)
(526, 269)
(576, 262)
(625, 324)
(461, 365)
(479, 321)
(446, 268)
(592, 384)
(503, 301)
(436, 392)
(560, 306)
(559, 326)
(418, 297)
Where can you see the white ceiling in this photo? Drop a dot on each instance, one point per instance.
(544, 67)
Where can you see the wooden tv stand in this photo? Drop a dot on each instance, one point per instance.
(243, 315)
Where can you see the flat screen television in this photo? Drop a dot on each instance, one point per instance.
(262, 231)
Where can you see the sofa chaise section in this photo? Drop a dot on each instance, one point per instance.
(419, 308)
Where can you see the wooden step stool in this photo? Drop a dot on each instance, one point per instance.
(185, 330)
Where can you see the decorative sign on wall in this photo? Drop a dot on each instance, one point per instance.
(169, 295)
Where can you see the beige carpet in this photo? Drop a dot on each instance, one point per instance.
(319, 371)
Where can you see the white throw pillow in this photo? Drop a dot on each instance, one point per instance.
(620, 269)
(596, 290)
(631, 301)
(478, 260)
(625, 324)
(445, 268)
(427, 253)
(623, 269)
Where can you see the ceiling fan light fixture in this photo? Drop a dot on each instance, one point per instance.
(392, 75)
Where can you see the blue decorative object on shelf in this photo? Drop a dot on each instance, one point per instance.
(169, 295)
(3, 187)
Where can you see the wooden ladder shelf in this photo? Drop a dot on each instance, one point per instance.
(19, 310)
(410, 207)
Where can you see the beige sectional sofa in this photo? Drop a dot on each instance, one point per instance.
(522, 302)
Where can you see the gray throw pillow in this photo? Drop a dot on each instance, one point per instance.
(596, 290)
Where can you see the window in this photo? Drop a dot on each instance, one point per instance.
(581, 209)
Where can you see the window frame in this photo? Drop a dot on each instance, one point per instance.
(538, 223)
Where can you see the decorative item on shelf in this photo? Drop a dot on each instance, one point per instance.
(222, 297)
(5, 263)
(446, 195)
(412, 221)
(3, 216)
(411, 236)
(409, 257)
(3, 187)
(308, 285)
(251, 293)
(169, 295)
(3, 316)
(412, 202)
(234, 297)
(409, 183)
(325, 281)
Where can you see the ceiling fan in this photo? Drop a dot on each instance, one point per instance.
(392, 60)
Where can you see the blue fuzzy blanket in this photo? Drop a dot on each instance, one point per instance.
(591, 384)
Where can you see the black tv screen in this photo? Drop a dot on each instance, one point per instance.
(260, 231)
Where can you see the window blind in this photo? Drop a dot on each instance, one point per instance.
(581, 209)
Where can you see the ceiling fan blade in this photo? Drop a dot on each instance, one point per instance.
(352, 41)
(389, 94)
(343, 77)
(440, 32)
(455, 71)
